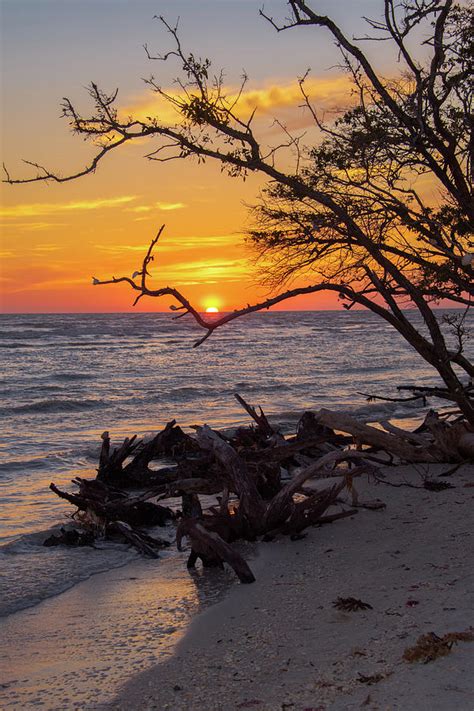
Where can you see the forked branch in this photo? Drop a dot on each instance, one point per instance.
(344, 291)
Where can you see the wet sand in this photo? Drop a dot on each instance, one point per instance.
(75, 650)
(281, 644)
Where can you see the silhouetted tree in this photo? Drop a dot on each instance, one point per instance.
(352, 214)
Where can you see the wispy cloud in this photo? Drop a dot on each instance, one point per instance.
(120, 248)
(205, 270)
(33, 226)
(196, 241)
(46, 248)
(25, 251)
(324, 92)
(38, 209)
(327, 93)
(202, 271)
(174, 244)
(51, 284)
(164, 206)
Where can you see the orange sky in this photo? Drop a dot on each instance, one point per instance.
(56, 237)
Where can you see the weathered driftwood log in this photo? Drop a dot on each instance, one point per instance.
(70, 537)
(171, 441)
(199, 475)
(234, 470)
(191, 506)
(453, 442)
(247, 465)
(282, 505)
(148, 545)
(206, 487)
(282, 453)
(134, 512)
(365, 434)
(281, 513)
(308, 512)
(267, 476)
(212, 549)
(466, 445)
(309, 430)
(261, 420)
(251, 516)
(110, 463)
(421, 439)
(311, 510)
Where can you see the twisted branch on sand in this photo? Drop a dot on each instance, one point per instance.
(243, 470)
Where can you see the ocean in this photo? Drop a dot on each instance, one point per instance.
(68, 377)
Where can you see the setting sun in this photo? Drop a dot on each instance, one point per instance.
(212, 310)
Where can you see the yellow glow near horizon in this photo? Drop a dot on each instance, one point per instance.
(212, 310)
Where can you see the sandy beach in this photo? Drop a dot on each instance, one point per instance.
(281, 644)
(156, 637)
(74, 650)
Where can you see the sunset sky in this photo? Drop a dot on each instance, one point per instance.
(54, 238)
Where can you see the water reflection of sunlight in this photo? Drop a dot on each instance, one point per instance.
(35, 508)
(130, 618)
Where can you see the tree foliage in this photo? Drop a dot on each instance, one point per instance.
(354, 213)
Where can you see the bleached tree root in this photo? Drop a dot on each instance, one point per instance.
(243, 471)
(444, 443)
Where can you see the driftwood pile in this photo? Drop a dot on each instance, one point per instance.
(258, 478)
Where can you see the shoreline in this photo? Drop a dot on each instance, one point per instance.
(73, 650)
(280, 643)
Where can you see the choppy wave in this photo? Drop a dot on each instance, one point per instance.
(18, 344)
(18, 465)
(52, 405)
(68, 377)
(36, 573)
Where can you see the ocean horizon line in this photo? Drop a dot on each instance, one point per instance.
(223, 312)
